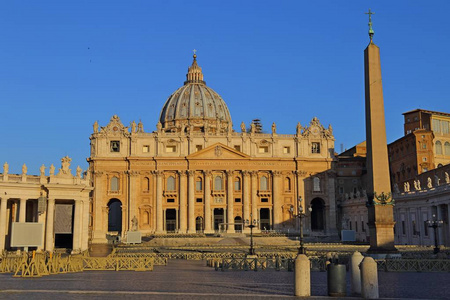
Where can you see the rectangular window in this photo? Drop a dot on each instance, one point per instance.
(198, 185)
(445, 125)
(286, 150)
(356, 226)
(171, 149)
(171, 200)
(341, 190)
(198, 147)
(403, 228)
(237, 199)
(362, 226)
(415, 232)
(237, 148)
(145, 148)
(199, 200)
(263, 149)
(436, 126)
(424, 146)
(315, 148)
(265, 200)
(115, 146)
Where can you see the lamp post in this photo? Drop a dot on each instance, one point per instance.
(435, 223)
(252, 223)
(300, 214)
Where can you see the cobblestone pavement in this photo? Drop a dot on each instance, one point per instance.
(183, 279)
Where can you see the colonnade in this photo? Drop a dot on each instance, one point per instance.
(80, 224)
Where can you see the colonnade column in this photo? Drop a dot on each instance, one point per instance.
(207, 197)
(133, 177)
(49, 235)
(276, 200)
(331, 225)
(300, 193)
(230, 200)
(191, 202)
(85, 225)
(255, 215)
(22, 210)
(183, 204)
(99, 234)
(3, 205)
(77, 227)
(159, 194)
(246, 198)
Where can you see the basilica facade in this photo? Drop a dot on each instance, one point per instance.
(195, 174)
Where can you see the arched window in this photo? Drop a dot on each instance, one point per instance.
(438, 148)
(447, 148)
(218, 183)
(237, 184)
(287, 184)
(146, 184)
(263, 183)
(171, 183)
(198, 184)
(316, 184)
(114, 184)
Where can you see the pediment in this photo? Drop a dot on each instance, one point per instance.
(218, 151)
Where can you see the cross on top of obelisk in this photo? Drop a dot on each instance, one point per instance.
(371, 32)
(195, 51)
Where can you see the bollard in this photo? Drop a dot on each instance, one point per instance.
(355, 273)
(336, 279)
(302, 279)
(369, 279)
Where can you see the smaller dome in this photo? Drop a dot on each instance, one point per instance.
(195, 106)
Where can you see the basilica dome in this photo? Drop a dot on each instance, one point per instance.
(194, 106)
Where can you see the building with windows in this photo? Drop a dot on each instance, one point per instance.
(195, 173)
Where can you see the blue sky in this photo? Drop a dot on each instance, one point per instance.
(66, 64)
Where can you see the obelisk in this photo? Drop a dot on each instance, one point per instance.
(380, 202)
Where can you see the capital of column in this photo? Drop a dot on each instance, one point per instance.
(133, 173)
(300, 173)
(229, 173)
(98, 173)
(207, 173)
(191, 172)
(159, 173)
(246, 173)
(254, 173)
(276, 173)
(182, 173)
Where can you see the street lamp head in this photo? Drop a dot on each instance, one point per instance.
(310, 208)
(300, 199)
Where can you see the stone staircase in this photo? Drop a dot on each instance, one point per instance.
(100, 250)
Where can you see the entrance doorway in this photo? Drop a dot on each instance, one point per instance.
(199, 224)
(115, 215)
(264, 219)
(317, 215)
(171, 220)
(63, 225)
(218, 218)
(238, 224)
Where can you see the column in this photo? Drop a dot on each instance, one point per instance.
(246, 198)
(331, 225)
(49, 235)
(191, 202)
(159, 196)
(99, 234)
(85, 225)
(76, 247)
(183, 203)
(230, 201)
(276, 200)
(208, 228)
(255, 199)
(22, 210)
(3, 205)
(133, 177)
